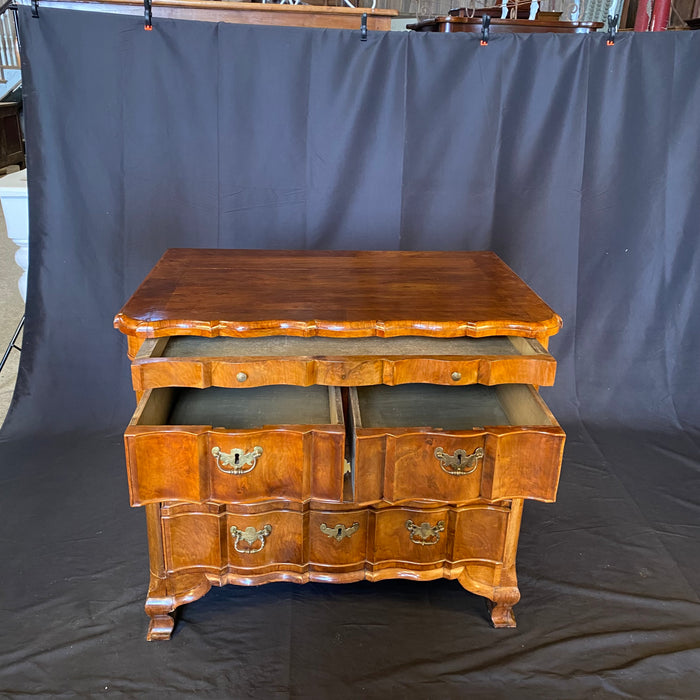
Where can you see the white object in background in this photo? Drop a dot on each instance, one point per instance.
(13, 195)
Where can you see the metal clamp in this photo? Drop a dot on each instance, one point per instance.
(237, 459)
(425, 534)
(147, 15)
(460, 463)
(340, 531)
(485, 24)
(612, 29)
(363, 27)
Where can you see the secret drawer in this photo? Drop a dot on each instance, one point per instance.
(453, 444)
(236, 445)
(245, 362)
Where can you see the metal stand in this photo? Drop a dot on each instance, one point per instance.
(13, 344)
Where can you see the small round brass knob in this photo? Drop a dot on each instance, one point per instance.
(241, 376)
(456, 376)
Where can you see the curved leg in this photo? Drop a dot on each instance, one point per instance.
(167, 594)
(501, 607)
(166, 591)
(499, 584)
(159, 607)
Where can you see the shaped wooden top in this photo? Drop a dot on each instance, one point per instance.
(245, 293)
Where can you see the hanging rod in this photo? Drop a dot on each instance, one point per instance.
(237, 12)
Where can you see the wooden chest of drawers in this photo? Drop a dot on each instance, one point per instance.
(336, 416)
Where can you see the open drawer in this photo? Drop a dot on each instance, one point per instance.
(243, 362)
(274, 443)
(419, 442)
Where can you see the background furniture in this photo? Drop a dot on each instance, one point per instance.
(497, 26)
(11, 141)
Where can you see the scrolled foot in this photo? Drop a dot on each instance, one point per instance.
(160, 628)
(501, 614)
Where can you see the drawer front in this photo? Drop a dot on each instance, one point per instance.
(206, 362)
(226, 372)
(259, 541)
(218, 541)
(480, 534)
(406, 535)
(421, 537)
(495, 463)
(200, 463)
(337, 538)
(187, 464)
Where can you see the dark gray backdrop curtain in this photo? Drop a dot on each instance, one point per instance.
(576, 162)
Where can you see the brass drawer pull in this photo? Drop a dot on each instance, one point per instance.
(340, 531)
(237, 459)
(460, 463)
(251, 536)
(425, 534)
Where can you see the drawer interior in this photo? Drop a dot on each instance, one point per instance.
(244, 408)
(290, 346)
(448, 407)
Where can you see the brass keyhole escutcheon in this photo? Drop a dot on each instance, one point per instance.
(237, 459)
(456, 376)
(460, 463)
(241, 376)
(340, 531)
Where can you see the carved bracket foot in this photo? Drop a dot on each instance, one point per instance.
(160, 628)
(501, 607)
(165, 595)
(501, 614)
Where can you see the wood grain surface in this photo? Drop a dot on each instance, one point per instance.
(247, 293)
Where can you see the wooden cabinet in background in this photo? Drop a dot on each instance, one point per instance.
(11, 141)
(337, 416)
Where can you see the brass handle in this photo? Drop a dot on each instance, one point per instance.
(237, 459)
(340, 531)
(460, 463)
(251, 536)
(425, 534)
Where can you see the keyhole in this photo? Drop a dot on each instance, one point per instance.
(459, 459)
(236, 458)
(339, 531)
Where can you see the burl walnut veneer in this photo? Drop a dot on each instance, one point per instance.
(336, 416)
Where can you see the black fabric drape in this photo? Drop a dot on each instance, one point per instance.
(576, 162)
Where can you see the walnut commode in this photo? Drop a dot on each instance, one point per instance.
(337, 416)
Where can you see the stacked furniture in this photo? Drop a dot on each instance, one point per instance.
(337, 416)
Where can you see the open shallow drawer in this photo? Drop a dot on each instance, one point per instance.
(453, 444)
(242, 445)
(235, 362)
